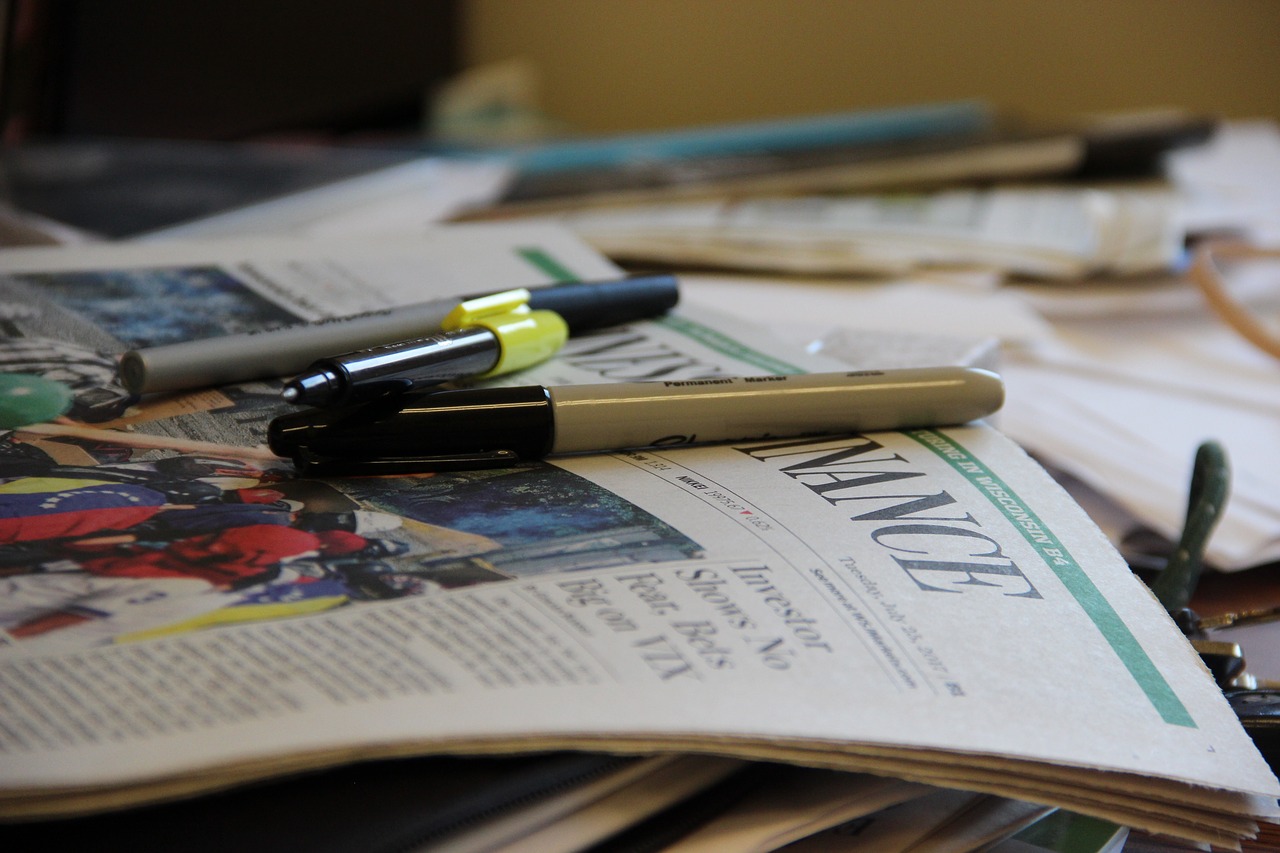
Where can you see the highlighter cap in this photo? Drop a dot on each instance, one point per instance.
(525, 337)
(435, 431)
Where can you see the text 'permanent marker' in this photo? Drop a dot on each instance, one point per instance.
(483, 337)
(492, 426)
(291, 349)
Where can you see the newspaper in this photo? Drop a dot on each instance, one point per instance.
(1050, 233)
(926, 605)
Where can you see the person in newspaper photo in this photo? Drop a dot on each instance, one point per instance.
(127, 543)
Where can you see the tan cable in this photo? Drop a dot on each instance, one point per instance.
(1204, 272)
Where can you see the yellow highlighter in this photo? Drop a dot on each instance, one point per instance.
(487, 336)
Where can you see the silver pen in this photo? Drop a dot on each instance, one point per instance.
(291, 349)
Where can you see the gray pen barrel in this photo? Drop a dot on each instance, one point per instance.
(274, 352)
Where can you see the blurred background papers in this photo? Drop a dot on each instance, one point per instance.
(1121, 399)
(1060, 233)
(1123, 404)
(1232, 182)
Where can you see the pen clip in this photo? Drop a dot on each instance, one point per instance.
(474, 312)
(525, 336)
(311, 464)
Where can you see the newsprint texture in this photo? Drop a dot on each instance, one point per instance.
(179, 612)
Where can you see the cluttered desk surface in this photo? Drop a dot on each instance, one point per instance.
(1005, 254)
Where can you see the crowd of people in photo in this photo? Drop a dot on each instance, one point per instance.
(123, 545)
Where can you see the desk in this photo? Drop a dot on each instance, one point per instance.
(736, 303)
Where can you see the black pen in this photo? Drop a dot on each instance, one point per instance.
(484, 427)
(289, 350)
(483, 337)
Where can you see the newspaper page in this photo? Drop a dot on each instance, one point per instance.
(1042, 233)
(926, 605)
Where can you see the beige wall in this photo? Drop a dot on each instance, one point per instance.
(615, 65)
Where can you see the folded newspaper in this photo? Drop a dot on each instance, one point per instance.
(180, 613)
(1046, 233)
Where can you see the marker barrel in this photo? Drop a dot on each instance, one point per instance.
(532, 421)
(272, 352)
(741, 408)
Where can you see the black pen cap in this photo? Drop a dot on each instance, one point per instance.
(600, 304)
(441, 423)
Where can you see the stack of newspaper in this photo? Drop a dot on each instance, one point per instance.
(1044, 232)
(916, 620)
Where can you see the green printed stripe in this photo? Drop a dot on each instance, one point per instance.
(1077, 582)
(547, 265)
(726, 345)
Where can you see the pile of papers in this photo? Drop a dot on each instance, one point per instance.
(903, 605)
(1123, 402)
(1044, 233)
(897, 641)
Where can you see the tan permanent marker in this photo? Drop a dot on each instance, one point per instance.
(488, 426)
